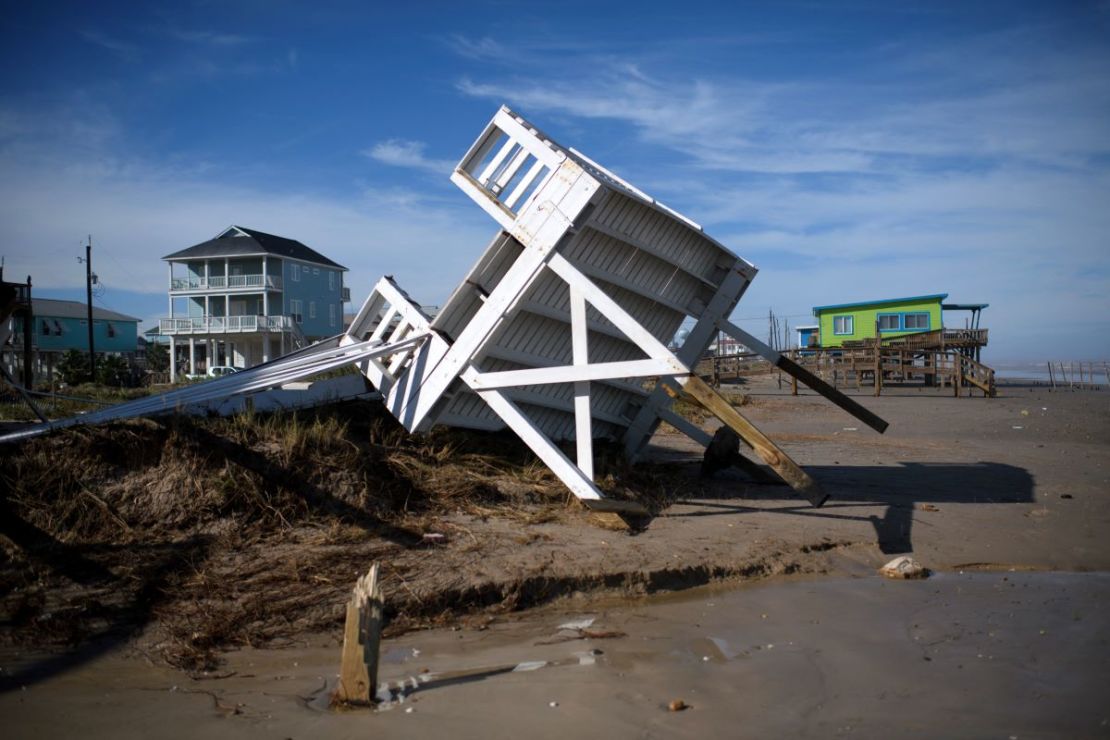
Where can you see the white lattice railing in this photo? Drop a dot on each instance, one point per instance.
(225, 324)
(229, 282)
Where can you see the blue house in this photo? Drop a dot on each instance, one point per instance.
(246, 297)
(59, 326)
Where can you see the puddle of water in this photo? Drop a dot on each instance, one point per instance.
(977, 654)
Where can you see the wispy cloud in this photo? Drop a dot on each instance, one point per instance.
(406, 153)
(479, 48)
(212, 38)
(128, 52)
(982, 102)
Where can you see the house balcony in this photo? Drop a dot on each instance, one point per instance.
(196, 325)
(229, 282)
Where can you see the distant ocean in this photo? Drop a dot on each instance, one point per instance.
(1039, 373)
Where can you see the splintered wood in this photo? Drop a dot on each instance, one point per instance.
(358, 673)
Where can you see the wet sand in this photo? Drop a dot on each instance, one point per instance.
(1005, 654)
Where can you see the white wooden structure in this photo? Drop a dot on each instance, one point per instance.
(554, 330)
(567, 311)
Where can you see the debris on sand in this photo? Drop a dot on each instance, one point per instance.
(904, 567)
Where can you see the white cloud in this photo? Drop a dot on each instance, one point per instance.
(122, 49)
(406, 153)
(211, 38)
(480, 48)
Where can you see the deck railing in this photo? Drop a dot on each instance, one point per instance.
(225, 324)
(228, 282)
(940, 338)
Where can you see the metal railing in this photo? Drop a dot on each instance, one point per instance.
(228, 282)
(224, 324)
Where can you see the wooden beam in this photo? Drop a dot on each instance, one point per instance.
(358, 672)
(788, 366)
(771, 453)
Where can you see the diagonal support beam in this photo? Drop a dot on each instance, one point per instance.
(792, 368)
(612, 311)
(570, 474)
(771, 453)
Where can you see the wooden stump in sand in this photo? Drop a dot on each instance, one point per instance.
(358, 672)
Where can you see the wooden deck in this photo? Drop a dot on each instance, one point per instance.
(941, 339)
(875, 367)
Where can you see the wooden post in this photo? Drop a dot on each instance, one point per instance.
(358, 672)
(957, 373)
(793, 385)
(1051, 377)
(771, 454)
(878, 368)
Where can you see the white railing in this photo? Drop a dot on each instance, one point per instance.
(224, 324)
(230, 282)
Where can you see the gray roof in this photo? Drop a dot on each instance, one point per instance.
(55, 309)
(251, 242)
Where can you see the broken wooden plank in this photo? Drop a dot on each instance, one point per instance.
(770, 453)
(358, 673)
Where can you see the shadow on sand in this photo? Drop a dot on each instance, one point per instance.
(901, 488)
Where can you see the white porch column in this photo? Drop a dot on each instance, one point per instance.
(192, 356)
(207, 272)
(173, 360)
(266, 347)
(265, 289)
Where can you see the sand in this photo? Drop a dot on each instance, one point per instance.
(1014, 488)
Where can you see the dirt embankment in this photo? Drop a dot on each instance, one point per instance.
(248, 530)
(204, 534)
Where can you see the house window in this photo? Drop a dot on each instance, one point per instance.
(45, 328)
(844, 325)
(296, 305)
(57, 328)
(111, 330)
(917, 321)
(296, 274)
(331, 314)
(312, 309)
(331, 280)
(889, 322)
(315, 270)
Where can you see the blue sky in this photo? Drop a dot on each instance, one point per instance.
(850, 150)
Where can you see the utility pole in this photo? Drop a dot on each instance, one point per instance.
(89, 278)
